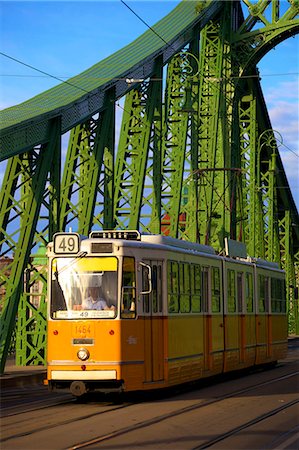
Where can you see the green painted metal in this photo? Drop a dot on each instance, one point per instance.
(248, 138)
(290, 264)
(24, 184)
(31, 324)
(190, 202)
(214, 125)
(267, 188)
(87, 183)
(174, 145)
(150, 212)
(137, 136)
(196, 159)
(80, 97)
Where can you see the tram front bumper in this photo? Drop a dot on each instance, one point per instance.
(81, 375)
(80, 382)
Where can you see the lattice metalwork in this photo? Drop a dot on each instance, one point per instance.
(25, 220)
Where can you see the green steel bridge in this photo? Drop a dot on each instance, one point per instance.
(196, 156)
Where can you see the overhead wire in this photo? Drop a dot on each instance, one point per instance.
(216, 79)
(42, 71)
(47, 74)
(145, 23)
(154, 79)
(290, 150)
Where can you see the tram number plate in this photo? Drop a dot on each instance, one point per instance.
(66, 243)
(83, 330)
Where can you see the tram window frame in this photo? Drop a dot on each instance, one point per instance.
(128, 311)
(156, 288)
(145, 288)
(184, 287)
(216, 290)
(263, 291)
(172, 287)
(231, 291)
(79, 276)
(205, 288)
(159, 288)
(278, 297)
(195, 273)
(240, 292)
(249, 292)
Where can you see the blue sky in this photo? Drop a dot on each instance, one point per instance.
(65, 38)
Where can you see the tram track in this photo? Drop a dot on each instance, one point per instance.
(194, 407)
(112, 408)
(61, 423)
(246, 425)
(36, 405)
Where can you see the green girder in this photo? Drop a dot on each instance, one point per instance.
(196, 159)
(24, 187)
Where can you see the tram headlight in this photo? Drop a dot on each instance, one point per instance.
(83, 354)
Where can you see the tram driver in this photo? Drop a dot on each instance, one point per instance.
(94, 301)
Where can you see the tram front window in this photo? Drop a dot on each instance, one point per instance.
(84, 288)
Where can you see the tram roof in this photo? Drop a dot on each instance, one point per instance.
(178, 243)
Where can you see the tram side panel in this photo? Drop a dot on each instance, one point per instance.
(231, 318)
(195, 320)
(279, 317)
(212, 294)
(239, 315)
(152, 318)
(137, 351)
(271, 319)
(248, 322)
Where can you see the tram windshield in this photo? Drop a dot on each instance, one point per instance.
(84, 287)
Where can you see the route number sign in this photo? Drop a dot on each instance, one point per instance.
(66, 243)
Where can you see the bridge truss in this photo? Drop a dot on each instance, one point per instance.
(196, 157)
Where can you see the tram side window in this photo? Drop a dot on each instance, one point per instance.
(240, 278)
(157, 288)
(215, 290)
(128, 301)
(154, 288)
(263, 293)
(173, 286)
(184, 287)
(195, 288)
(278, 298)
(205, 288)
(249, 292)
(231, 291)
(145, 288)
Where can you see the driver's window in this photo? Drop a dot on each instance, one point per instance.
(128, 300)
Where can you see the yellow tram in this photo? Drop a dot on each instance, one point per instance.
(130, 312)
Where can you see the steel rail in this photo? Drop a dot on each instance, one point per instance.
(144, 424)
(187, 409)
(246, 425)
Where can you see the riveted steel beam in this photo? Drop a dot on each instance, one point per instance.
(25, 183)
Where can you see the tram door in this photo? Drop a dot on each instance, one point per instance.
(153, 326)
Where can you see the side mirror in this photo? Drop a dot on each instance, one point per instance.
(146, 278)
